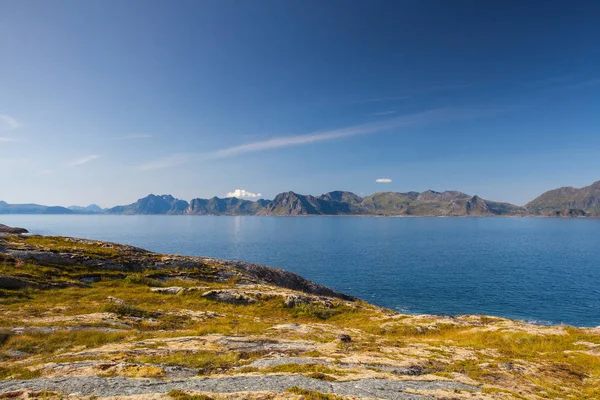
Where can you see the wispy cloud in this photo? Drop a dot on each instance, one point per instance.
(166, 162)
(380, 113)
(133, 136)
(8, 139)
(585, 83)
(241, 193)
(83, 160)
(568, 81)
(381, 99)
(405, 121)
(364, 129)
(47, 172)
(9, 122)
(414, 92)
(383, 180)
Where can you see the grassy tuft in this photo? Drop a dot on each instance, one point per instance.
(205, 361)
(313, 394)
(181, 395)
(314, 311)
(15, 372)
(133, 280)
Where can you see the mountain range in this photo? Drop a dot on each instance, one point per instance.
(562, 202)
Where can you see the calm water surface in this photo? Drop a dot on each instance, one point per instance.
(540, 270)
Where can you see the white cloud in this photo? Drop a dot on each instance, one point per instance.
(383, 180)
(241, 193)
(83, 160)
(9, 122)
(8, 139)
(47, 172)
(422, 118)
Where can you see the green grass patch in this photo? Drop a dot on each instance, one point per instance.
(304, 369)
(128, 310)
(18, 373)
(206, 361)
(39, 343)
(133, 280)
(181, 395)
(313, 394)
(314, 311)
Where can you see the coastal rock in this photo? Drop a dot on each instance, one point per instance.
(229, 296)
(167, 290)
(571, 212)
(9, 229)
(116, 300)
(293, 300)
(344, 338)
(11, 283)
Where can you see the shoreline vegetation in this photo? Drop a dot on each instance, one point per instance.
(90, 319)
(565, 202)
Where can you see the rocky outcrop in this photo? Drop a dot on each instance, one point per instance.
(133, 259)
(167, 290)
(570, 213)
(286, 279)
(362, 388)
(229, 296)
(13, 283)
(145, 330)
(8, 229)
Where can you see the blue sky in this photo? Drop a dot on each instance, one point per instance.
(107, 101)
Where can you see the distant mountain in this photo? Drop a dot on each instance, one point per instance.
(429, 203)
(290, 203)
(568, 201)
(562, 202)
(227, 206)
(91, 209)
(478, 206)
(6, 208)
(341, 196)
(387, 203)
(152, 204)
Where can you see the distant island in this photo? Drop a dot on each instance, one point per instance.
(562, 202)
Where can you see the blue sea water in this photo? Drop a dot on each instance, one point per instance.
(535, 269)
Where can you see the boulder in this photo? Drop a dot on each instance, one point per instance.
(167, 290)
(229, 296)
(116, 300)
(293, 300)
(344, 338)
(8, 229)
(8, 282)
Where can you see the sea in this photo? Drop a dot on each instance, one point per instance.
(540, 270)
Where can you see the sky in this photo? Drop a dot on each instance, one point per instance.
(106, 101)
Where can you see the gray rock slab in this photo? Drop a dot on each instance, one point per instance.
(99, 386)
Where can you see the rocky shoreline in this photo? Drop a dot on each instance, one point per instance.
(90, 319)
(8, 229)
